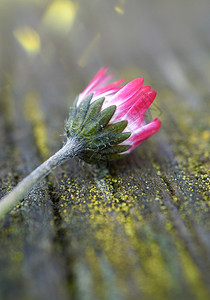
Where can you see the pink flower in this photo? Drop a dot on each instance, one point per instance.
(131, 100)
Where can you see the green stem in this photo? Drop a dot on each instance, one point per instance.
(24, 187)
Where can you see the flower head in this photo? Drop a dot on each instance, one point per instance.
(108, 119)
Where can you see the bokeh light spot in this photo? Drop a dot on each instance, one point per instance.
(60, 15)
(28, 38)
(119, 10)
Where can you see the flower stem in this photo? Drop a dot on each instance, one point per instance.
(24, 187)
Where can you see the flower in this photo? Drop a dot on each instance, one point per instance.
(106, 122)
(108, 119)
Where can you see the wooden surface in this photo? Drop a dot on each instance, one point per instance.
(133, 229)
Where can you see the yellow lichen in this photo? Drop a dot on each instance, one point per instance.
(35, 115)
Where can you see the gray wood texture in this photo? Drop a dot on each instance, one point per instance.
(132, 229)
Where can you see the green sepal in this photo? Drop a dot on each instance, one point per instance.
(93, 110)
(93, 157)
(115, 149)
(103, 141)
(104, 148)
(115, 127)
(99, 122)
(81, 112)
(71, 117)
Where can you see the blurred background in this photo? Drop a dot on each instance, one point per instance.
(49, 50)
(151, 239)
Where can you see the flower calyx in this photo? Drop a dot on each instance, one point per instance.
(98, 139)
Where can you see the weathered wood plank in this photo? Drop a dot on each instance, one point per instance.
(28, 258)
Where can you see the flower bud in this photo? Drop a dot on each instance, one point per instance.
(107, 120)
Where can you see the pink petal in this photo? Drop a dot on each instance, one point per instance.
(109, 89)
(143, 133)
(142, 104)
(128, 91)
(133, 110)
(134, 107)
(98, 81)
(137, 111)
